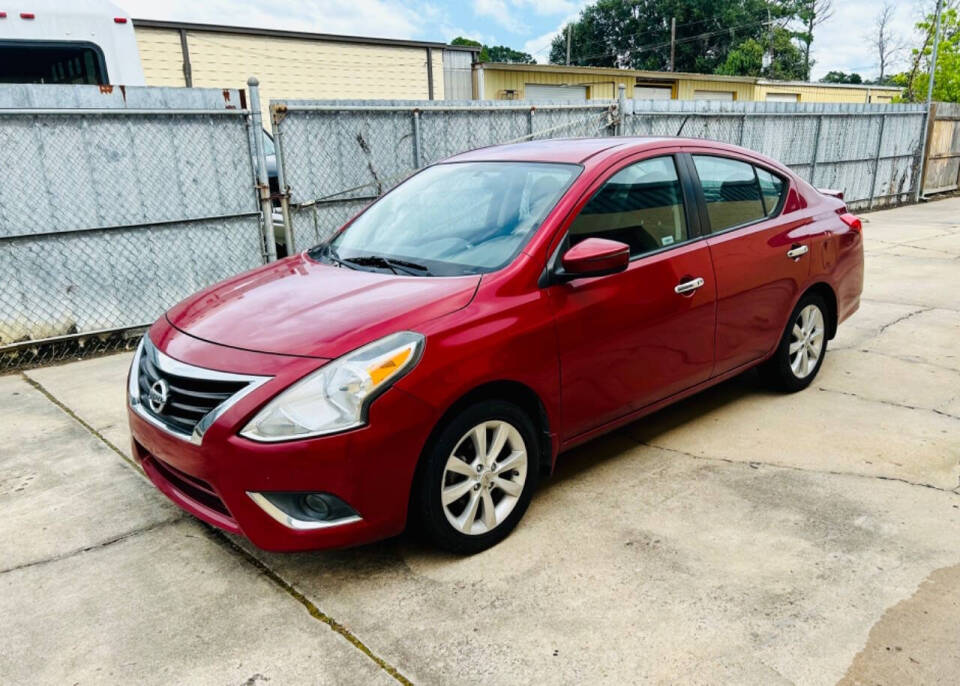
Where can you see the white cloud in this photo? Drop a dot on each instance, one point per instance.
(843, 41)
(539, 46)
(500, 12)
(382, 18)
(547, 7)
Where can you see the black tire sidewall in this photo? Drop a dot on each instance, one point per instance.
(428, 506)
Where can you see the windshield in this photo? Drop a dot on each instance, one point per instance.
(457, 218)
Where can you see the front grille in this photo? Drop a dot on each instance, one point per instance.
(189, 399)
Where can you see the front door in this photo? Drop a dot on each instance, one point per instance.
(630, 339)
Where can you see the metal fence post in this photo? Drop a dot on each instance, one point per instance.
(417, 161)
(816, 150)
(530, 122)
(621, 108)
(260, 165)
(876, 161)
(743, 126)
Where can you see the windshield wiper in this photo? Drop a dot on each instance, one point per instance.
(329, 252)
(390, 263)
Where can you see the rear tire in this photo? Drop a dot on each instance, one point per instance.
(802, 347)
(477, 477)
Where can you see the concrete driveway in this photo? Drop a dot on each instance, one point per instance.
(741, 536)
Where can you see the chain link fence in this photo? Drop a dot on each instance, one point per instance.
(116, 203)
(335, 157)
(871, 152)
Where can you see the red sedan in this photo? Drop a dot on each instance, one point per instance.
(430, 361)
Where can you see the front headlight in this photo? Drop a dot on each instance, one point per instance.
(335, 397)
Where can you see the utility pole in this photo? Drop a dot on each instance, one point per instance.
(569, 27)
(767, 60)
(673, 41)
(926, 119)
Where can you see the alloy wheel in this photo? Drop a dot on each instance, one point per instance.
(806, 341)
(484, 477)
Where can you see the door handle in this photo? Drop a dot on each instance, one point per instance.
(797, 251)
(688, 286)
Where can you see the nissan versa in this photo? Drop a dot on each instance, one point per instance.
(429, 361)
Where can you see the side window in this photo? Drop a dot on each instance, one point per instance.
(731, 190)
(772, 189)
(641, 205)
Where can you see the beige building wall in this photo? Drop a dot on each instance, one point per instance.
(160, 56)
(742, 90)
(290, 68)
(815, 93)
(498, 80)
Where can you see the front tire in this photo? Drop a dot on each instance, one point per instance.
(478, 477)
(802, 347)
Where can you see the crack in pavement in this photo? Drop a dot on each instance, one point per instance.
(73, 415)
(888, 402)
(95, 546)
(217, 535)
(903, 318)
(755, 464)
(315, 612)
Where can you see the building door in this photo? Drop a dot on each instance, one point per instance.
(652, 92)
(712, 95)
(542, 91)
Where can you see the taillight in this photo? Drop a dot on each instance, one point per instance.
(853, 221)
(119, 20)
(3, 15)
(27, 15)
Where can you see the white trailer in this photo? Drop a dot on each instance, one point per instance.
(52, 41)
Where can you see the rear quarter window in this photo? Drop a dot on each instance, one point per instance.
(731, 190)
(772, 190)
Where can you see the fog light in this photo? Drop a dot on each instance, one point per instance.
(315, 504)
(305, 510)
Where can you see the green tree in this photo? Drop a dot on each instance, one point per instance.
(495, 53)
(501, 53)
(746, 59)
(841, 77)
(946, 84)
(482, 56)
(811, 14)
(636, 33)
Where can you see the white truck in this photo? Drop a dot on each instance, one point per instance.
(68, 42)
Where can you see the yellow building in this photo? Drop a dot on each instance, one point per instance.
(496, 81)
(292, 64)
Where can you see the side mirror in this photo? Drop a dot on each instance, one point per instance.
(595, 257)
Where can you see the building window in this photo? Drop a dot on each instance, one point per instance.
(783, 97)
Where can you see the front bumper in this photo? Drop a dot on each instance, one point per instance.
(370, 468)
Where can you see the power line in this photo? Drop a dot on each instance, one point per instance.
(549, 43)
(688, 39)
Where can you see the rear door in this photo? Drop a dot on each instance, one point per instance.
(760, 255)
(630, 339)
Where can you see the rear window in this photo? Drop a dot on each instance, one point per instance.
(731, 190)
(51, 62)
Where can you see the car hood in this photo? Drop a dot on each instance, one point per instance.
(301, 307)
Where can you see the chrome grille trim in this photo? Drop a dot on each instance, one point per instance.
(168, 365)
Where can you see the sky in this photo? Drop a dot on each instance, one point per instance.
(841, 43)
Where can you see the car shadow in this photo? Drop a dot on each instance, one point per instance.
(393, 555)
(646, 430)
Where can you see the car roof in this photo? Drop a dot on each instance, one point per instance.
(579, 150)
(571, 150)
